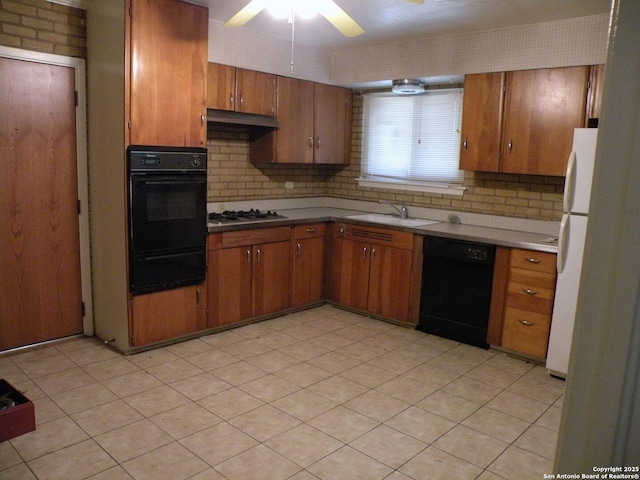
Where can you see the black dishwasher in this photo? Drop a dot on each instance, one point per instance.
(457, 277)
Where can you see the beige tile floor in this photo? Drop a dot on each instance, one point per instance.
(320, 394)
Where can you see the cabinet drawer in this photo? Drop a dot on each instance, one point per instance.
(526, 332)
(239, 238)
(311, 230)
(539, 302)
(532, 260)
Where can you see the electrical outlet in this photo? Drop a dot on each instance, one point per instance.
(288, 184)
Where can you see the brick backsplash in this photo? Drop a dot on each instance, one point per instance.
(232, 177)
(43, 26)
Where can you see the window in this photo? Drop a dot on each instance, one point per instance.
(412, 142)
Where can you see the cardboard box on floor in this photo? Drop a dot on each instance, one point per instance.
(18, 419)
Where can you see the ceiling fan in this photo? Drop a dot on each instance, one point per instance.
(327, 8)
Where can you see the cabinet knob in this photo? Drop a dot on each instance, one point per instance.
(310, 142)
(311, 230)
(364, 252)
(299, 249)
(528, 291)
(259, 255)
(510, 145)
(248, 256)
(464, 144)
(318, 142)
(373, 254)
(533, 260)
(526, 323)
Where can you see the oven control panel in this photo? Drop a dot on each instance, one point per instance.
(153, 159)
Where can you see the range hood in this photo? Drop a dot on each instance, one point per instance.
(238, 118)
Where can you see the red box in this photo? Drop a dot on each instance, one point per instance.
(17, 420)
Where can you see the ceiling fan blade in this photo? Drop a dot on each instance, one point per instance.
(253, 8)
(339, 18)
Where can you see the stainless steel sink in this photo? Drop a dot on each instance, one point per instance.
(391, 220)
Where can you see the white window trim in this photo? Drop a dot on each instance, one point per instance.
(411, 185)
(415, 185)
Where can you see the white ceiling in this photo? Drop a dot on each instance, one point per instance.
(391, 20)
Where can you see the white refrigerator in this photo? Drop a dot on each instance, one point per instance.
(573, 230)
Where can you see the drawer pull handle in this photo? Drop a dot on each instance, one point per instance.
(526, 323)
(533, 260)
(528, 291)
(311, 230)
(299, 249)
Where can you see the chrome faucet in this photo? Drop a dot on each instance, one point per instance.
(404, 213)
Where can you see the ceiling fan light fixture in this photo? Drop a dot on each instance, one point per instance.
(407, 86)
(282, 9)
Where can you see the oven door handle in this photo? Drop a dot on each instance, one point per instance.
(172, 182)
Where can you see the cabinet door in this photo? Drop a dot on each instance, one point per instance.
(271, 278)
(168, 73)
(389, 282)
(159, 316)
(229, 279)
(307, 278)
(353, 274)
(542, 109)
(332, 122)
(294, 138)
(221, 84)
(482, 122)
(255, 92)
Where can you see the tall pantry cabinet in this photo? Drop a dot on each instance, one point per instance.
(146, 85)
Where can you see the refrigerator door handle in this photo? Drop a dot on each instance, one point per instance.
(561, 258)
(567, 200)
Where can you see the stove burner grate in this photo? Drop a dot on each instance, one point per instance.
(240, 215)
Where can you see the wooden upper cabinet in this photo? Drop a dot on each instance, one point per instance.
(240, 90)
(168, 40)
(255, 92)
(522, 122)
(315, 122)
(295, 137)
(332, 124)
(542, 109)
(481, 122)
(221, 86)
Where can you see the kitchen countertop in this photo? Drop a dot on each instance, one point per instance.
(472, 233)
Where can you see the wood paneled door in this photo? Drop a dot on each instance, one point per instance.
(40, 273)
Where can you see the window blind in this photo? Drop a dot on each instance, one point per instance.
(413, 137)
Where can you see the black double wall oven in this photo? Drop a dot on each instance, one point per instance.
(167, 217)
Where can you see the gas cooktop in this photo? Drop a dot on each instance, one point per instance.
(243, 215)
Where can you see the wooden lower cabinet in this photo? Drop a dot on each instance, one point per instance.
(307, 264)
(528, 304)
(371, 270)
(160, 316)
(249, 274)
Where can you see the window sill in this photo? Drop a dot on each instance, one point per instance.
(412, 185)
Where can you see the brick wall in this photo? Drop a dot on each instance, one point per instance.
(44, 27)
(233, 177)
